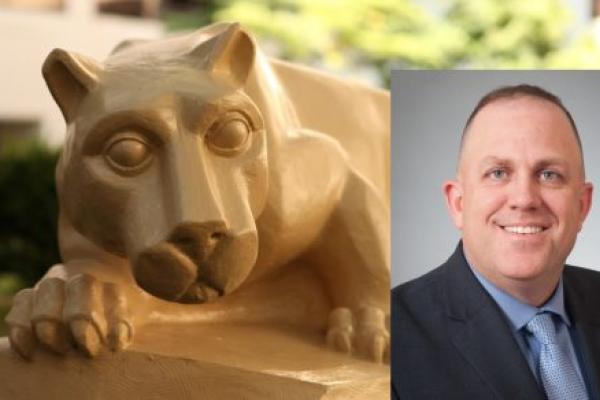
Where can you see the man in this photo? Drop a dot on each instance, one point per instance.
(504, 318)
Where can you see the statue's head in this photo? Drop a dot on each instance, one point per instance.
(165, 159)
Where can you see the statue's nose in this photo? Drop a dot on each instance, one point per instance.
(198, 240)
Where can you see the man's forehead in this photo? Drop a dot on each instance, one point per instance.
(499, 119)
(520, 105)
(506, 121)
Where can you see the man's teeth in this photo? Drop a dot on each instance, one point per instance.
(523, 229)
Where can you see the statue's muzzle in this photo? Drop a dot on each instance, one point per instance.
(174, 270)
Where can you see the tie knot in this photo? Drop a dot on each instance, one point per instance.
(542, 328)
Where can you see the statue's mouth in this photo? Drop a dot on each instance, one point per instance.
(200, 292)
(171, 273)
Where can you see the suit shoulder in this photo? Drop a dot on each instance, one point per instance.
(420, 292)
(582, 278)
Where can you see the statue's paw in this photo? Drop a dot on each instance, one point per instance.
(340, 332)
(82, 313)
(372, 339)
(363, 333)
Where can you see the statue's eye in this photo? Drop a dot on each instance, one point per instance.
(228, 137)
(128, 154)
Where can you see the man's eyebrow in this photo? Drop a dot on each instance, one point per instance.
(495, 161)
(549, 162)
(545, 162)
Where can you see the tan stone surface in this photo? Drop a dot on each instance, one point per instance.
(231, 361)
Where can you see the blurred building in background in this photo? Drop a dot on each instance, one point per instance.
(30, 29)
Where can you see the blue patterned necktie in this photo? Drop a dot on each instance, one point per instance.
(558, 374)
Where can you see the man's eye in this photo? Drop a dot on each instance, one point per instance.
(549, 176)
(497, 174)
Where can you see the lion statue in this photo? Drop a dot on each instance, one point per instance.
(202, 181)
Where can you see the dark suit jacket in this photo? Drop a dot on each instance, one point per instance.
(450, 340)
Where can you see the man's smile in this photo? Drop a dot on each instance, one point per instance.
(523, 228)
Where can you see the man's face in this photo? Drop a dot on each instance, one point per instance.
(520, 198)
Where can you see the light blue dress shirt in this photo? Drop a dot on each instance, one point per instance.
(519, 314)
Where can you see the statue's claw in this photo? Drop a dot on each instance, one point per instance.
(82, 312)
(86, 337)
(372, 338)
(23, 341)
(20, 333)
(120, 336)
(341, 330)
(363, 333)
(52, 334)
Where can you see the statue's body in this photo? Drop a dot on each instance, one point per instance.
(199, 171)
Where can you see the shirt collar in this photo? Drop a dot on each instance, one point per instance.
(519, 313)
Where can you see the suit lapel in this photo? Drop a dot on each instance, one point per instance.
(582, 304)
(482, 335)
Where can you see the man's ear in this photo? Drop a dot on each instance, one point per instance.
(585, 201)
(70, 77)
(229, 55)
(453, 192)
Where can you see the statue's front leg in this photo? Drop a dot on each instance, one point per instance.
(353, 257)
(65, 312)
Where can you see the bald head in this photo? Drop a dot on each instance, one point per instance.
(508, 93)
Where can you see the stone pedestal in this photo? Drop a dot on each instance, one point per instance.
(187, 361)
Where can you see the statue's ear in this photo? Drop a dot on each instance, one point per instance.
(229, 55)
(127, 43)
(70, 77)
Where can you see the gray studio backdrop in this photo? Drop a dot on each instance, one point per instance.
(429, 109)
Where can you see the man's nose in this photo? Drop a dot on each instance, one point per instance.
(524, 194)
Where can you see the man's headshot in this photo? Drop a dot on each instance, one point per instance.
(520, 195)
(504, 317)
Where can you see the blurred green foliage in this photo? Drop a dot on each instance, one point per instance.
(197, 13)
(583, 52)
(509, 33)
(28, 213)
(340, 33)
(10, 283)
(385, 34)
(4, 308)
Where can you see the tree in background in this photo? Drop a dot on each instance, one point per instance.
(509, 33)
(582, 52)
(28, 214)
(349, 36)
(341, 34)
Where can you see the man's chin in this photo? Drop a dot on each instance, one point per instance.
(523, 268)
